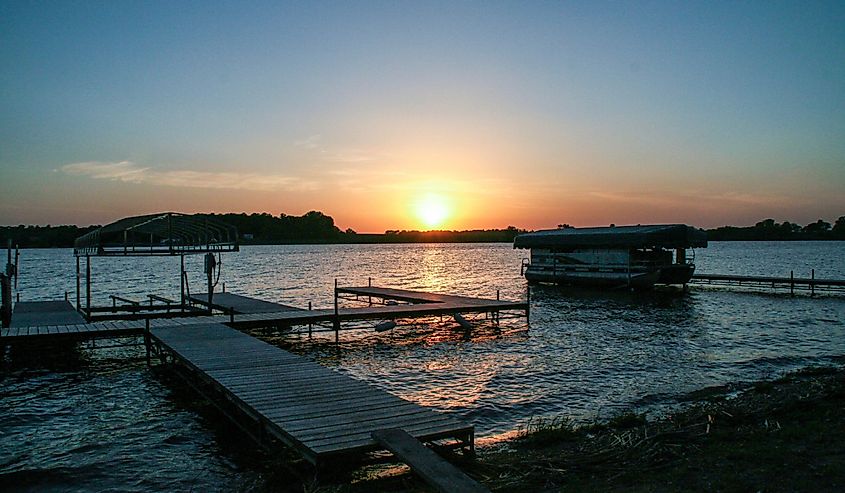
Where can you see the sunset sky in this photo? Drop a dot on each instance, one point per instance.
(418, 115)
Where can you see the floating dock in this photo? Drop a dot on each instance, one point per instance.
(317, 411)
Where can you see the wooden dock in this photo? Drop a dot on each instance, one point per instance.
(809, 285)
(276, 395)
(44, 320)
(229, 302)
(317, 411)
(34, 313)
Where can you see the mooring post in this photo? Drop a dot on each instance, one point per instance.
(792, 283)
(309, 323)
(209, 266)
(5, 300)
(182, 281)
(336, 315)
(9, 267)
(147, 338)
(231, 314)
(812, 282)
(88, 287)
(528, 303)
(78, 287)
(17, 263)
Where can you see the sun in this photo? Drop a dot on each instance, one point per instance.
(432, 210)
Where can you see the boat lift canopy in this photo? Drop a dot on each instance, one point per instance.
(640, 236)
(167, 233)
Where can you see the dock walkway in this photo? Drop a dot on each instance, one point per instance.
(29, 313)
(317, 411)
(57, 319)
(805, 284)
(227, 302)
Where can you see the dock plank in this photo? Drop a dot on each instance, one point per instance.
(443, 476)
(240, 303)
(43, 313)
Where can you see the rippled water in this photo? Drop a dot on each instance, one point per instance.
(106, 422)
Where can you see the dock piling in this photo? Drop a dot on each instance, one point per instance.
(147, 338)
(336, 321)
(792, 283)
(812, 282)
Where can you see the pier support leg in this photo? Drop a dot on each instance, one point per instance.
(88, 287)
(309, 323)
(147, 339)
(78, 287)
(182, 281)
(528, 304)
(336, 321)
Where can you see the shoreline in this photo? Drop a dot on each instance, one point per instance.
(786, 434)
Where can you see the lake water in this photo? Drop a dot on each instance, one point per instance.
(107, 422)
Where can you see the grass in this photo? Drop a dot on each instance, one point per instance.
(783, 435)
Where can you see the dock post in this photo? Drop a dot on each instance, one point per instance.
(5, 300)
(309, 323)
(88, 287)
(812, 282)
(336, 321)
(792, 283)
(528, 303)
(182, 281)
(209, 266)
(231, 314)
(147, 338)
(17, 264)
(78, 288)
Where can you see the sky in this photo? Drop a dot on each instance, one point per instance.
(419, 115)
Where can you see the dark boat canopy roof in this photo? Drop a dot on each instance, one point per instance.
(640, 236)
(166, 233)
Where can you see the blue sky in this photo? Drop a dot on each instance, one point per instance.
(524, 113)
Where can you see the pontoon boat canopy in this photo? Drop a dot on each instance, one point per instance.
(648, 236)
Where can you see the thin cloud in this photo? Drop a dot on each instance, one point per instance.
(129, 172)
(312, 142)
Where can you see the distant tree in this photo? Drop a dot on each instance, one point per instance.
(788, 229)
(839, 227)
(766, 224)
(817, 228)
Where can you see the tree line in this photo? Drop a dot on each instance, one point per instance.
(316, 227)
(769, 229)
